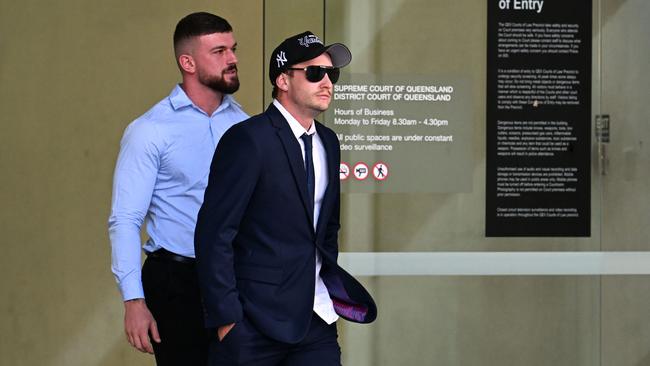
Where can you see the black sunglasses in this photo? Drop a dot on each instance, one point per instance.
(316, 73)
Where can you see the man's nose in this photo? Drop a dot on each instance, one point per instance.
(327, 82)
(232, 58)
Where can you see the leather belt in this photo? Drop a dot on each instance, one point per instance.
(167, 255)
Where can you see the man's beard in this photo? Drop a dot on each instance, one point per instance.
(219, 84)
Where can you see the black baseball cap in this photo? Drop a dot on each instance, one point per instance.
(303, 47)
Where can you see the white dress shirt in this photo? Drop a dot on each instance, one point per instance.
(323, 305)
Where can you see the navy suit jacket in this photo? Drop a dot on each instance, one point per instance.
(255, 241)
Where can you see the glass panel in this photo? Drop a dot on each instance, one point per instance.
(490, 321)
(624, 98)
(425, 42)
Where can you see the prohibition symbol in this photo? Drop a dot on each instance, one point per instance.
(380, 171)
(344, 171)
(361, 171)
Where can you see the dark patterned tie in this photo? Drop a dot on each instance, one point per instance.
(309, 169)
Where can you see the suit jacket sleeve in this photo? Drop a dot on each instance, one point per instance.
(233, 175)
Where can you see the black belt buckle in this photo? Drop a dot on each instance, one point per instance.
(167, 255)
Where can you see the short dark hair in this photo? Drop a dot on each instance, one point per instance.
(198, 24)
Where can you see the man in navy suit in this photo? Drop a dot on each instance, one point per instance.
(266, 238)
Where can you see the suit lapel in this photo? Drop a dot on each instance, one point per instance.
(332, 176)
(294, 155)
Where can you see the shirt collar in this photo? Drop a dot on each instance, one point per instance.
(296, 127)
(179, 99)
(226, 102)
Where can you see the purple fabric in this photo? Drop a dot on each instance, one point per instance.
(350, 311)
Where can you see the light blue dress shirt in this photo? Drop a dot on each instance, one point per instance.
(161, 174)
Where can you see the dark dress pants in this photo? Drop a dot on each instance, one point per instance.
(245, 345)
(172, 295)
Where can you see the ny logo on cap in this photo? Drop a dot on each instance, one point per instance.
(307, 40)
(281, 58)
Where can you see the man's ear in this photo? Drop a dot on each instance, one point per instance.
(187, 63)
(282, 82)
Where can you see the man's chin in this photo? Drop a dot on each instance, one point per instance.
(324, 105)
(232, 88)
(231, 85)
(320, 107)
(226, 88)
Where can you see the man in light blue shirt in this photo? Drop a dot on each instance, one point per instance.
(161, 174)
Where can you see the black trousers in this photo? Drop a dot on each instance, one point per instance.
(171, 292)
(245, 345)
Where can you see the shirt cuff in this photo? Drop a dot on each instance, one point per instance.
(131, 289)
